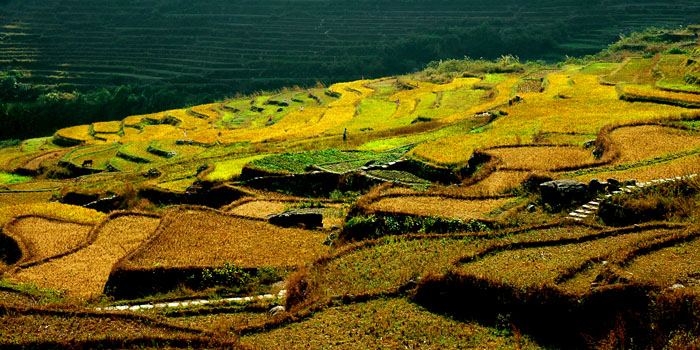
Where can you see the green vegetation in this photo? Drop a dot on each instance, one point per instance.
(8, 179)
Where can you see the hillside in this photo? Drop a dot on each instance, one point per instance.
(91, 61)
(247, 45)
(404, 211)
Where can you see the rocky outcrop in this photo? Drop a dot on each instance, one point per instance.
(563, 193)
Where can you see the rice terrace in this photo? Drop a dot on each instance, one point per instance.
(544, 201)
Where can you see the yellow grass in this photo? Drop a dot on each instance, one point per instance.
(445, 207)
(541, 158)
(572, 103)
(212, 239)
(45, 237)
(107, 127)
(641, 142)
(84, 273)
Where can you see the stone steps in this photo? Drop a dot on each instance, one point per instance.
(592, 207)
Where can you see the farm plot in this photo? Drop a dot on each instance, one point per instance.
(83, 329)
(636, 70)
(675, 264)
(542, 158)
(42, 238)
(648, 141)
(384, 323)
(647, 170)
(673, 69)
(440, 206)
(84, 273)
(17, 198)
(212, 239)
(549, 264)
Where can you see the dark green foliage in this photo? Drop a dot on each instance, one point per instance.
(374, 226)
(228, 275)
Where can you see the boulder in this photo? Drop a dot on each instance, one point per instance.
(563, 193)
(297, 218)
(595, 186)
(613, 185)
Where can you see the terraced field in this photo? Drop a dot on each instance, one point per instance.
(406, 211)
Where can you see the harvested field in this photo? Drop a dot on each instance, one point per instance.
(212, 239)
(44, 238)
(637, 143)
(84, 273)
(499, 182)
(542, 158)
(386, 324)
(445, 207)
(260, 208)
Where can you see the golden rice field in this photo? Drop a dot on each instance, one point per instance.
(648, 141)
(42, 238)
(212, 239)
(445, 207)
(84, 273)
(107, 127)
